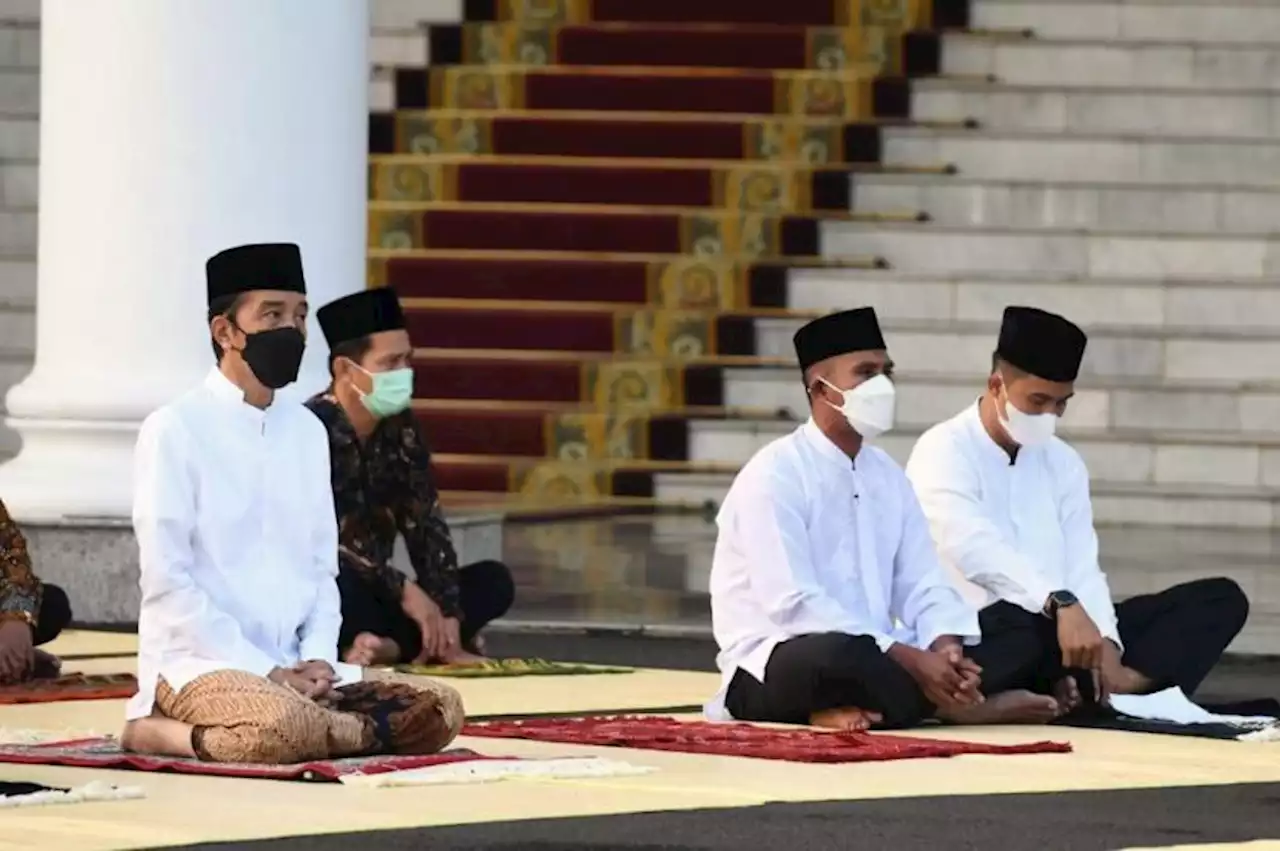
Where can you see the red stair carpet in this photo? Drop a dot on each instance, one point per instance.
(587, 205)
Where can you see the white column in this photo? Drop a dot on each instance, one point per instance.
(171, 129)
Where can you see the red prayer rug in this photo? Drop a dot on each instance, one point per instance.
(106, 753)
(71, 687)
(703, 737)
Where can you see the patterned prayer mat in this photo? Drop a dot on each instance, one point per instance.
(105, 753)
(508, 668)
(71, 687)
(789, 744)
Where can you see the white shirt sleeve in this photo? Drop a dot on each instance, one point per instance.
(164, 522)
(947, 487)
(769, 522)
(922, 597)
(1084, 573)
(319, 634)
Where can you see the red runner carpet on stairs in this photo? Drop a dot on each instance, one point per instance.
(800, 12)
(551, 134)
(746, 186)
(814, 94)
(666, 165)
(604, 232)
(745, 740)
(765, 47)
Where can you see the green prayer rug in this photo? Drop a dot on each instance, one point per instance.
(508, 668)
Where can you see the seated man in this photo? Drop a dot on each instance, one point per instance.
(31, 612)
(239, 556)
(1008, 504)
(382, 484)
(827, 599)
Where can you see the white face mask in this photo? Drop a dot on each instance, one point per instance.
(1027, 429)
(868, 407)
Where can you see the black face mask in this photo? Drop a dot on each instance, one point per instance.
(275, 356)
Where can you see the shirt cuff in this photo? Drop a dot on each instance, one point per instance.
(962, 624)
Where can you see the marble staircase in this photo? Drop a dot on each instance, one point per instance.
(19, 148)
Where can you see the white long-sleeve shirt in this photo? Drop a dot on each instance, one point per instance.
(810, 541)
(1011, 531)
(237, 542)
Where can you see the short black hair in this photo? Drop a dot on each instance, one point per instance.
(226, 306)
(354, 350)
(999, 364)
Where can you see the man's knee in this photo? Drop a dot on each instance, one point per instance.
(282, 733)
(821, 661)
(1226, 599)
(492, 581)
(54, 615)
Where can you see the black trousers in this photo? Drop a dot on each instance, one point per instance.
(1174, 637)
(485, 589)
(810, 673)
(54, 615)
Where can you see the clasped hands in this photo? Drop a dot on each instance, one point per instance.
(948, 678)
(314, 679)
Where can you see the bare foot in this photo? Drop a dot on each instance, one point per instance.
(848, 719)
(462, 657)
(1008, 707)
(47, 666)
(1128, 681)
(157, 735)
(368, 650)
(1067, 693)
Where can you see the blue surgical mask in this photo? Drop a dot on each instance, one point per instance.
(392, 392)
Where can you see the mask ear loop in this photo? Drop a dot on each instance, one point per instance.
(843, 395)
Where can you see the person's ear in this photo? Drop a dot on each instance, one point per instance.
(223, 332)
(994, 383)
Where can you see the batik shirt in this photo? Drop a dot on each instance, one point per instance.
(20, 591)
(381, 486)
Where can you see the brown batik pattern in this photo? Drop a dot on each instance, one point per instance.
(382, 486)
(239, 717)
(20, 590)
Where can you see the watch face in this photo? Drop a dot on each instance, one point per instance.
(1064, 598)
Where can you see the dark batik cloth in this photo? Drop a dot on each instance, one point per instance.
(21, 592)
(383, 486)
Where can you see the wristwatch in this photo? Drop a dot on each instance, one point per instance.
(1059, 600)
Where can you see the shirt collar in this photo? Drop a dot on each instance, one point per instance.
(986, 444)
(342, 432)
(222, 389)
(823, 444)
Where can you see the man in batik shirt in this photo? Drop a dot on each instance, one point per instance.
(31, 612)
(383, 485)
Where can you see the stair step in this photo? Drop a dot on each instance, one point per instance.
(1115, 504)
(19, 184)
(1223, 22)
(1131, 207)
(1152, 458)
(1100, 404)
(19, 43)
(19, 91)
(932, 249)
(1230, 114)
(1115, 63)
(1083, 158)
(963, 349)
